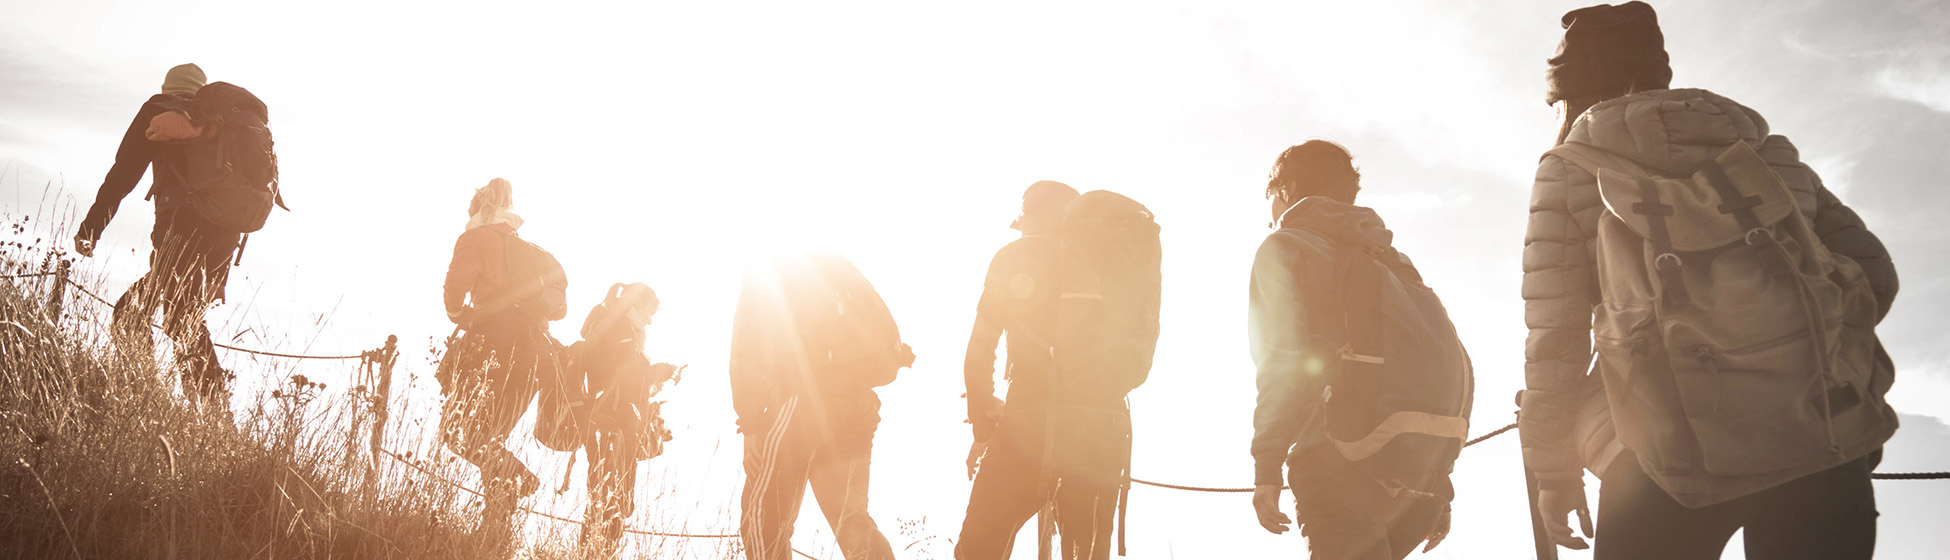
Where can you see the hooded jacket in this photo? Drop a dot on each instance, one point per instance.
(1669, 132)
(1293, 277)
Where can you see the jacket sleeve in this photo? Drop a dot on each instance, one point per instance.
(131, 162)
(1839, 228)
(462, 275)
(1291, 375)
(978, 367)
(1844, 232)
(1559, 287)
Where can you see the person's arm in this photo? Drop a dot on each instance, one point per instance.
(754, 333)
(1291, 375)
(1559, 288)
(131, 162)
(978, 365)
(463, 273)
(1560, 284)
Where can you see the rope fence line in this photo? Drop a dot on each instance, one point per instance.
(1478, 439)
(443, 480)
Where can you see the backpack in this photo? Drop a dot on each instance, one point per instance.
(538, 288)
(1731, 340)
(1398, 397)
(231, 178)
(562, 402)
(844, 319)
(1109, 283)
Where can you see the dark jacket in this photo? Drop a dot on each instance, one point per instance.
(1019, 297)
(1293, 276)
(1669, 132)
(135, 157)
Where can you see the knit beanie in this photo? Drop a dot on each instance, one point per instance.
(1608, 50)
(184, 79)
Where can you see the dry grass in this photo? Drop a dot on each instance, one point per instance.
(100, 458)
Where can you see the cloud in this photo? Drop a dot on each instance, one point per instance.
(1923, 78)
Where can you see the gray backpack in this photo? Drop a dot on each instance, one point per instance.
(1731, 340)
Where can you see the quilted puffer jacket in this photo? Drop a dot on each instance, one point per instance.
(1668, 132)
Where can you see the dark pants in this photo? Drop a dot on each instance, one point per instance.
(489, 378)
(1346, 515)
(1829, 515)
(612, 485)
(1092, 450)
(189, 268)
(826, 442)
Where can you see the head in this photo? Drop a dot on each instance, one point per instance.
(184, 80)
(638, 297)
(1042, 207)
(1314, 168)
(497, 195)
(1608, 51)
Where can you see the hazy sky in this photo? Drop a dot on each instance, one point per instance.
(665, 143)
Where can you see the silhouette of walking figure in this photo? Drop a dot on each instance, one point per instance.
(810, 341)
(215, 179)
(1732, 300)
(503, 291)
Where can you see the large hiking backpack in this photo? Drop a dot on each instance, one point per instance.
(1731, 340)
(843, 318)
(232, 173)
(1109, 286)
(537, 289)
(1400, 387)
(562, 402)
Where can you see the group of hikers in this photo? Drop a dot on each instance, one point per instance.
(1701, 314)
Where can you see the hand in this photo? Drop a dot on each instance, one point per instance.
(1553, 505)
(172, 126)
(1266, 502)
(84, 246)
(975, 452)
(1441, 531)
(464, 319)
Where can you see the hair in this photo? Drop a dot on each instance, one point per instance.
(497, 194)
(1315, 168)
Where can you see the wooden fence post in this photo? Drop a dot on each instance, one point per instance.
(54, 297)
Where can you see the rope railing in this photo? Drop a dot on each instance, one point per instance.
(557, 518)
(1478, 439)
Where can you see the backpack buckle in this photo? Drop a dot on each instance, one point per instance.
(1347, 353)
(1767, 234)
(1658, 262)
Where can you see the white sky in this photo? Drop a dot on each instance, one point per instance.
(661, 143)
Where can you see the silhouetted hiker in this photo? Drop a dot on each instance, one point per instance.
(810, 341)
(625, 426)
(503, 291)
(1364, 389)
(1732, 299)
(215, 180)
(1078, 297)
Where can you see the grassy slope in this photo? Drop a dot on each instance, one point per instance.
(99, 459)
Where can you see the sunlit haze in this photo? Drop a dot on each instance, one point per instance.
(669, 143)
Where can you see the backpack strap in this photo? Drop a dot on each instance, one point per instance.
(1667, 262)
(1360, 307)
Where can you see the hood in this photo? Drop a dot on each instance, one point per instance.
(1668, 130)
(1339, 222)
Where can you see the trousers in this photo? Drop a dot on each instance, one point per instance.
(826, 443)
(1827, 515)
(1092, 451)
(189, 268)
(1346, 515)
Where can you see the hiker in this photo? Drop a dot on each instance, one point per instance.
(625, 426)
(1077, 295)
(810, 340)
(206, 139)
(1364, 389)
(502, 291)
(1732, 300)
